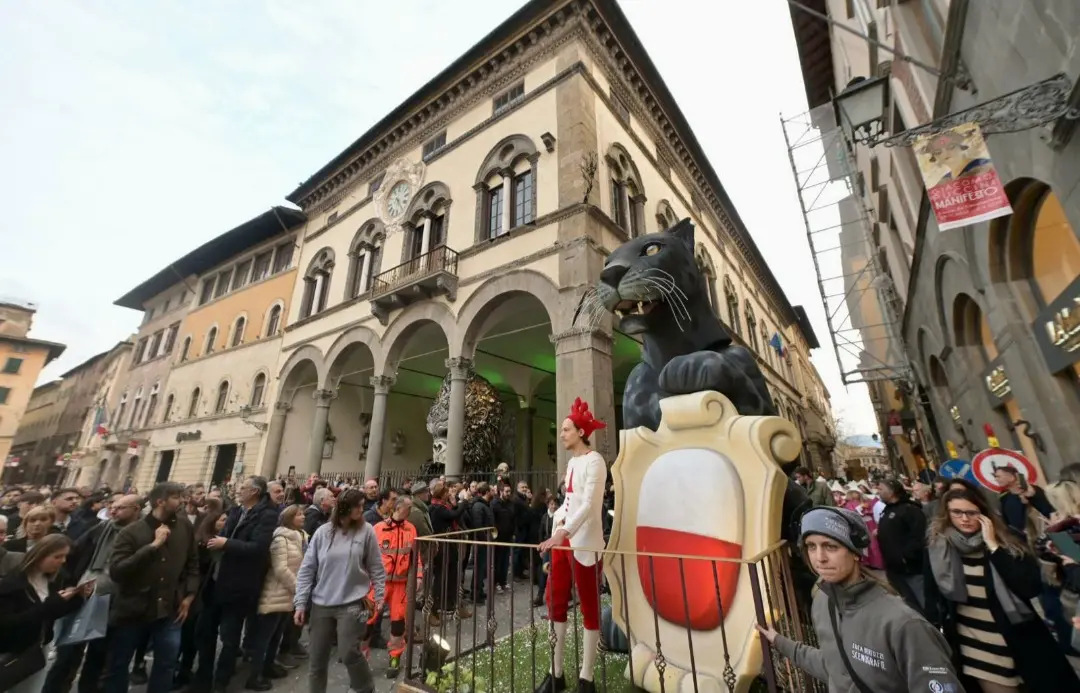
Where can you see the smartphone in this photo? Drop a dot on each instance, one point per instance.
(1064, 543)
(1023, 482)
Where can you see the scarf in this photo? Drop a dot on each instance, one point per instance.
(945, 553)
(99, 560)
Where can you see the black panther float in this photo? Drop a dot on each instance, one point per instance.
(654, 288)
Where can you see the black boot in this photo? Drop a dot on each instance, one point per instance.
(584, 686)
(552, 684)
(273, 670)
(258, 684)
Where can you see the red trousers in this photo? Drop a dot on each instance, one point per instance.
(566, 573)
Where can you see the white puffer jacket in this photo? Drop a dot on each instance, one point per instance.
(286, 555)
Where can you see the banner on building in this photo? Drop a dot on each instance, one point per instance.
(960, 178)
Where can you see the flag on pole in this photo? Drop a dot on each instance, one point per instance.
(776, 344)
(100, 417)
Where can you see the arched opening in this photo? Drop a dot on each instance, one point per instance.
(350, 373)
(297, 385)
(273, 321)
(166, 415)
(151, 405)
(665, 216)
(258, 389)
(365, 258)
(194, 404)
(184, 349)
(222, 397)
(751, 328)
(238, 331)
(627, 191)
(506, 187)
(211, 340)
(732, 300)
(708, 272)
(426, 225)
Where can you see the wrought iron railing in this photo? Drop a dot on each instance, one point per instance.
(475, 622)
(440, 259)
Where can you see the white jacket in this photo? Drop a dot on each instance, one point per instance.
(581, 514)
(286, 554)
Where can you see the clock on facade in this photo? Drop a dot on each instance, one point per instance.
(398, 199)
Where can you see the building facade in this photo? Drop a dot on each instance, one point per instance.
(454, 241)
(94, 455)
(22, 359)
(215, 407)
(29, 448)
(985, 310)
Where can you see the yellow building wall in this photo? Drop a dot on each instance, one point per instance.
(21, 385)
(252, 302)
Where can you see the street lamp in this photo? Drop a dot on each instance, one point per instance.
(861, 107)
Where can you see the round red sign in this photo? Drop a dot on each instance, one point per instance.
(984, 462)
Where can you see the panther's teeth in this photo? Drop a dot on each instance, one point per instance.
(640, 308)
(620, 314)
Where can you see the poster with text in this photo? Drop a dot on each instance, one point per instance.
(960, 178)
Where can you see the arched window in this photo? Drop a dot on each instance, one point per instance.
(151, 405)
(193, 406)
(120, 411)
(426, 225)
(751, 327)
(506, 188)
(317, 283)
(238, 331)
(273, 321)
(222, 397)
(167, 414)
(258, 388)
(365, 258)
(732, 300)
(627, 192)
(184, 349)
(766, 348)
(211, 340)
(705, 266)
(665, 216)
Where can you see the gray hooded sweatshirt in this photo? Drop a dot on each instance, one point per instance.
(892, 649)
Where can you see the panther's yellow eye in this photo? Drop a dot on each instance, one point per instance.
(652, 249)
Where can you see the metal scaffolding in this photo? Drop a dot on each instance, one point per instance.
(861, 303)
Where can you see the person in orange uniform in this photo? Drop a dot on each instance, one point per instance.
(396, 537)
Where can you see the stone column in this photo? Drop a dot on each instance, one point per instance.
(318, 429)
(425, 237)
(583, 369)
(365, 270)
(377, 430)
(527, 438)
(508, 196)
(274, 435)
(455, 429)
(627, 210)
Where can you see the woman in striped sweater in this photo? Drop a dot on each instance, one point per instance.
(981, 583)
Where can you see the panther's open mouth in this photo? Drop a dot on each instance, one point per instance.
(624, 308)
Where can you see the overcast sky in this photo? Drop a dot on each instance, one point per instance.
(131, 132)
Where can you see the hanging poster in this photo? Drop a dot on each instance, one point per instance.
(960, 178)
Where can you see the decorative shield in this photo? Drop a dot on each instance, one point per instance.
(706, 485)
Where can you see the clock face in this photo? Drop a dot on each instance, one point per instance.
(398, 199)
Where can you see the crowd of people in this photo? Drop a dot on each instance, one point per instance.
(941, 584)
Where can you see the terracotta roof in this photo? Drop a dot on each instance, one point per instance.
(814, 42)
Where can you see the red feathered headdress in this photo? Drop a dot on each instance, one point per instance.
(583, 419)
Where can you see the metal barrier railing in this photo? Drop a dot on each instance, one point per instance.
(474, 623)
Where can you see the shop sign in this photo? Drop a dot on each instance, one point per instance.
(188, 436)
(997, 381)
(1057, 329)
(963, 186)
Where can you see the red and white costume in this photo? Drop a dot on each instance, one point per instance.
(581, 516)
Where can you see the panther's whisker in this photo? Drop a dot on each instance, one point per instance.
(671, 279)
(673, 299)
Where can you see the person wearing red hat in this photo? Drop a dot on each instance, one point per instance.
(575, 544)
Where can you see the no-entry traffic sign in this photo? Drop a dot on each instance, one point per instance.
(984, 462)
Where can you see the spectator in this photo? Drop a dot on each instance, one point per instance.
(277, 494)
(30, 601)
(482, 519)
(342, 565)
(25, 503)
(9, 560)
(276, 601)
(817, 489)
(382, 509)
(547, 525)
(318, 512)
(371, 494)
(206, 624)
(902, 538)
(395, 536)
(65, 502)
(89, 561)
(1018, 497)
(981, 583)
(86, 517)
(418, 514)
(854, 614)
(155, 571)
(505, 512)
(36, 523)
(239, 574)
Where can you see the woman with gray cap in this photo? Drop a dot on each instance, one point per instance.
(870, 641)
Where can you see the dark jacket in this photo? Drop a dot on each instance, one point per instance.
(20, 545)
(1039, 661)
(505, 518)
(445, 519)
(150, 582)
(480, 515)
(314, 518)
(521, 514)
(25, 620)
(902, 537)
(246, 555)
(1014, 508)
(9, 562)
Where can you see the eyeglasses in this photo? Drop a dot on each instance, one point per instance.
(966, 514)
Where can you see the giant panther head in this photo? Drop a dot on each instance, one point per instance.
(483, 419)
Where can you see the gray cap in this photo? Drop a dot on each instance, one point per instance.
(843, 525)
(419, 487)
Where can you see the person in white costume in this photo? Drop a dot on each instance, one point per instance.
(575, 545)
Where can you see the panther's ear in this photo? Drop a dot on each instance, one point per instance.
(684, 230)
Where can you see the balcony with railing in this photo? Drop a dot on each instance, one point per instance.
(423, 277)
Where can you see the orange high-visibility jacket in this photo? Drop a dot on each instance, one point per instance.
(396, 540)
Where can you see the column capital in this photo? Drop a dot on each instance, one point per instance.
(382, 383)
(580, 338)
(282, 407)
(324, 397)
(459, 367)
